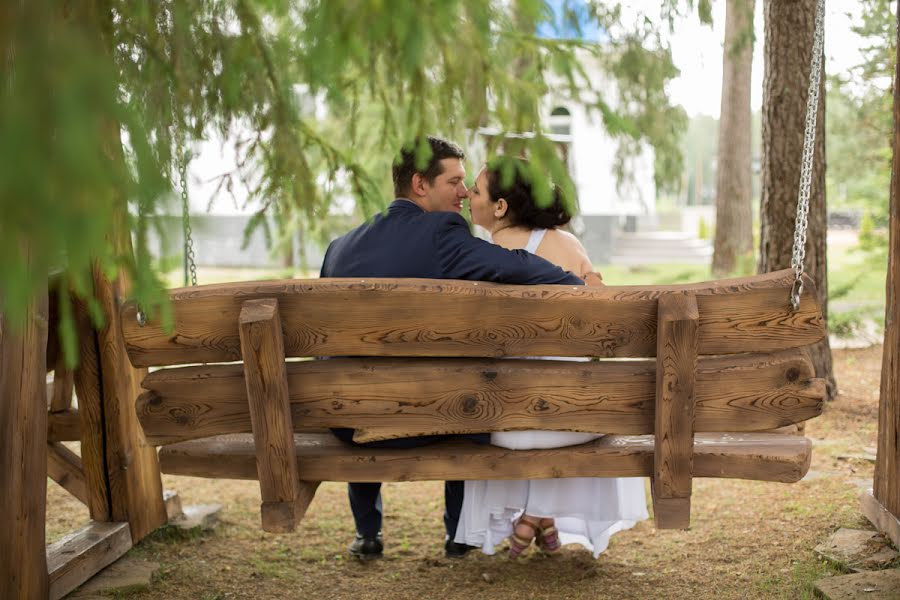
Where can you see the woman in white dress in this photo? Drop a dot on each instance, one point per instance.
(549, 512)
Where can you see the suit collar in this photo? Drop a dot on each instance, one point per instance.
(405, 204)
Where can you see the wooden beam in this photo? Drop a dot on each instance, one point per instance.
(91, 427)
(887, 463)
(465, 318)
(23, 454)
(385, 398)
(321, 457)
(676, 366)
(64, 467)
(132, 467)
(79, 556)
(64, 426)
(262, 349)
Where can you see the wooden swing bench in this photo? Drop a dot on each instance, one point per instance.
(688, 380)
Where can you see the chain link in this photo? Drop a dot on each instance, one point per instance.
(190, 268)
(809, 139)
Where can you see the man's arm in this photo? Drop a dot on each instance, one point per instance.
(463, 256)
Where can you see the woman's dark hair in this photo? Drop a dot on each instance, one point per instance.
(519, 195)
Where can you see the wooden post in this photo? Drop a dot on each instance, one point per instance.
(262, 346)
(90, 414)
(676, 366)
(882, 505)
(135, 485)
(23, 456)
(63, 383)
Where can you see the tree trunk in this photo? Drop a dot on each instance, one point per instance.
(789, 28)
(734, 221)
(887, 464)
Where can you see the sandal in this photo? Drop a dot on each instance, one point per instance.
(548, 540)
(517, 545)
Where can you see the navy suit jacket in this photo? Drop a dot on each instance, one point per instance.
(407, 241)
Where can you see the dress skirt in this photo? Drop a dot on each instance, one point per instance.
(588, 510)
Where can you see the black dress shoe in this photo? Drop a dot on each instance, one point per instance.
(367, 548)
(456, 550)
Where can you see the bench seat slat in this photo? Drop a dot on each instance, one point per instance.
(397, 397)
(321, 457)
(421, 317)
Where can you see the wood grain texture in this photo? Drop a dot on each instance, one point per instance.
(132, 467)
(64, 467)
(23, 454)
(321, 457)
(92, 429)
(79, 556)
(421, 317)
(396, 397)
(887, 463)
(64, 426)
(262, 349)
(676, 366)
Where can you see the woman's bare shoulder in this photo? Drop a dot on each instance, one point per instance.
(568, 252)
(568, 241)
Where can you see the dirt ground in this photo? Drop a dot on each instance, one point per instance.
(747, 540)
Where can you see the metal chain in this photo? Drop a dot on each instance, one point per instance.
(190, 268)
(809, 139)
(140, 315)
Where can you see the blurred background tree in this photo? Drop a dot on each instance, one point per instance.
(860, 125)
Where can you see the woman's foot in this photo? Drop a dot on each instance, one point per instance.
(525, 530)
(548, 536)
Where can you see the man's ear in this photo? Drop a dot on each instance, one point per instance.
(501, 207)
(417, 185)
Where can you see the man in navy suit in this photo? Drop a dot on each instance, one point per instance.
(423, 235)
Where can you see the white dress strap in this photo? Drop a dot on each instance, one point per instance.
(535, 239)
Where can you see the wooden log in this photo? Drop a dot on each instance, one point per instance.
(676, 366)
(464, 318)
(321, 457)
(401, 397)
(23, 454)
(64, 467)
(79, 556)
(887, 462)
(92, 429)
(270, 414)
(64, 426)
(132, 467)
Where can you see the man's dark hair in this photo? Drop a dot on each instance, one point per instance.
(405, 165)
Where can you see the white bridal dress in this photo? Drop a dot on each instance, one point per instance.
(588, 510)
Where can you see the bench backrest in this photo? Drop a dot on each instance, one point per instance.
(409, 322)
(421, 317)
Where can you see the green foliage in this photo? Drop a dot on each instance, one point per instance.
(102, 98)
